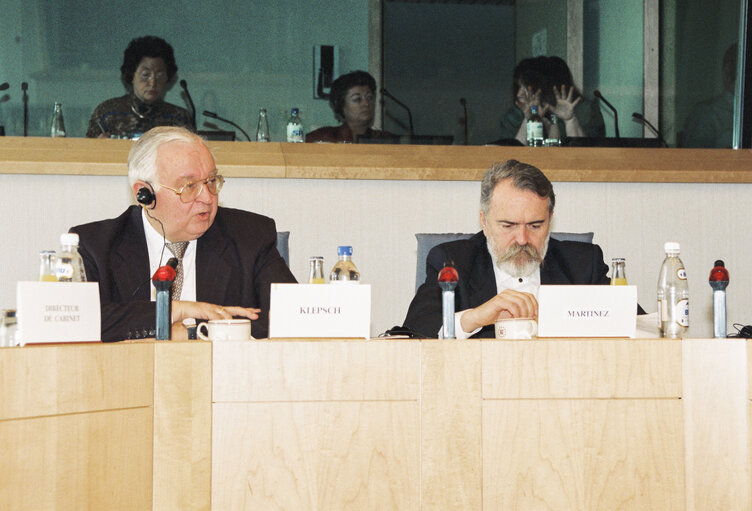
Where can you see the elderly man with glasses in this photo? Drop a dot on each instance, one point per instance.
(227, 257)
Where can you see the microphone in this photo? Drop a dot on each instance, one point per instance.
(162, 280)
(641, 119)
(463, 102)
(598, 95)
(184, 85)
(4, 86)
(24, 88)
(386, 93)
(215, 116)
(448, 278)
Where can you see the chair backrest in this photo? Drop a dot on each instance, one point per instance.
(428, 240)
(283, 246)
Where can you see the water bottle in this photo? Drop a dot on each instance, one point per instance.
(534, 128)
(719, 280)
(295, 127)
(316, 270)
(70, 266)
(344, 270)
(673, 294)
(262, 130)
(618, 272)
(57, 126)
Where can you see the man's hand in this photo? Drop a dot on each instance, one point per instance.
(507, 304)
(201, 310)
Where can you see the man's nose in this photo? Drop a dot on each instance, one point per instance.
(521, 236)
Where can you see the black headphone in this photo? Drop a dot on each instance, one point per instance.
(145, 196)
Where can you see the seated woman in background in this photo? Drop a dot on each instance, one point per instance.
(148, 71)
(547, 82)
(353, 100)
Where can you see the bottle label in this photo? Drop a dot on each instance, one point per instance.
(681, 273)
(64, 271)
(534, 130)
(295, 133)
(681, 312)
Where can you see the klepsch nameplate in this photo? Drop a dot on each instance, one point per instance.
(587, 311)
(51, 312)
(341, 310)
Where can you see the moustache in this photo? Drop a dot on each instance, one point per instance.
(514, 251)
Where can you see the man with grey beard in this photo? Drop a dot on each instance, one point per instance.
(501, 268)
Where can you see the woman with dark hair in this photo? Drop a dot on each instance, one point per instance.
(148, 71)
(547, 82)
(353, 101)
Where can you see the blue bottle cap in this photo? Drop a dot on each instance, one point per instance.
(344, 250)
(294, 111)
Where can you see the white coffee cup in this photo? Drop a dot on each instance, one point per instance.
(516, 328)
(225, 330)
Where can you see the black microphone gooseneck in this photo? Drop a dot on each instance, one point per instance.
(598, 95)
(400, 103)
(641, 119)
(463, 102)
(24, 88)
(215, 116)
(184, 85)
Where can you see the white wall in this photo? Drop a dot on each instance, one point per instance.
(380, 218)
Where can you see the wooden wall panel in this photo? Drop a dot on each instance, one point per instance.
(315, 370)
(583, 455)
(451, 425)
(92, 461)
(590, 368)
(316, 456)
(50, 380)
(182, 426)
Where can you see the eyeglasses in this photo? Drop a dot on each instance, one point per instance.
(190, 191)
(147, 75)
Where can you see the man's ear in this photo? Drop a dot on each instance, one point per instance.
(482, 220)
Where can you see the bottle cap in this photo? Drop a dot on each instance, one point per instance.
(617, 260)
(69, 238)
(672, 247)
(294, 111)
(344, 250)
(534, 109)
(316, 258)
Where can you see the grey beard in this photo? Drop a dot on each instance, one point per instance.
(506, 260)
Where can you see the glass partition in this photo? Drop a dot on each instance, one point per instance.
(450, 63)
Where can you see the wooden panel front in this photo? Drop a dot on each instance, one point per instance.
(583, 455)
(99, 460)
(51, 380)
(316, 456)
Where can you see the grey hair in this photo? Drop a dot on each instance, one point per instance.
(142, 160)
(524, 177)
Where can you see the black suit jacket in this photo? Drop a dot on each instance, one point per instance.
(566, 262)
(236, 262)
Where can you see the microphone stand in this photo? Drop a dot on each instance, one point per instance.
(215, 116)
(598, 94)
(184, 85)
(641, 119)
(24, 87)
(400, 103)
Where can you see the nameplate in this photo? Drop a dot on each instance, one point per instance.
(53, 312)
(587, 311)
(320, 310)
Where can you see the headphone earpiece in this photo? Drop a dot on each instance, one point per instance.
(146, 197)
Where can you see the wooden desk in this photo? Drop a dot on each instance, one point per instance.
(407, 424)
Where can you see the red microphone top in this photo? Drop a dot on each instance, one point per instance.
(164, 273)
(719, 273)
(448, 274)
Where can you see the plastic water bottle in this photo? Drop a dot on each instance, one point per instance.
(534, 128)
(344, 270)
(262, 130)
(57, 126)
(295, 127)
(70, 266)
(719, 280)
(673, 294)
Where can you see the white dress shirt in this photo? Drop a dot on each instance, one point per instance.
(159, 254)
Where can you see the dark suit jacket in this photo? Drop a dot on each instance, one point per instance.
(566, 262)
(236, 261)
